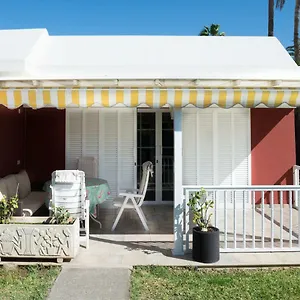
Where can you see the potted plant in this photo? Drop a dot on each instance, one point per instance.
(37, 237)
(206, 242)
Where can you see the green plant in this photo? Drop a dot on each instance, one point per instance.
(60, 216)
(7, 208)
(213, 30)
(200, 207)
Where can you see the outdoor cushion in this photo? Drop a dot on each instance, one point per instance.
(3, 188)
(24, 184)
(34, 200)
(11, 185)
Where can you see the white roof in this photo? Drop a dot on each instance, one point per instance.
(34, 54)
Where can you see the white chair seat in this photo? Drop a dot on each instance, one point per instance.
(118, 202)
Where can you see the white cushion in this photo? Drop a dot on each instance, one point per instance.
(11, 185)
(3, 188)
(34, 200)
(24, 184)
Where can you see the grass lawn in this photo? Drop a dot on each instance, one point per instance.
(162, 283)
(32, 282)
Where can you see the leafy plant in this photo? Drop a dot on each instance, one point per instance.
(60, 216)
(200, 207)
(7, 208)
(213, 29)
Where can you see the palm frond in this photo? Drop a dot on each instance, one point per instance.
(280, 4)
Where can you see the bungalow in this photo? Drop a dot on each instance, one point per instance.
(207, 111)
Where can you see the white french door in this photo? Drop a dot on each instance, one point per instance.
(155, 143)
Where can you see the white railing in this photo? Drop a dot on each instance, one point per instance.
(248, 224)
(296, 180)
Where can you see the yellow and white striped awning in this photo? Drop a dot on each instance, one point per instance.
(152, 97)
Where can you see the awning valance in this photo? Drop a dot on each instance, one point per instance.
(154, 97)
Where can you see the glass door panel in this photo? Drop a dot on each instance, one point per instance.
(155, 138)
(167, 157)
(146, 148)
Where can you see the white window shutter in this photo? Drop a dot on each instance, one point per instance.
(109, 148)
(127, 148)
(109, 136)
(223, 147)
(91, 133)
(242, 146)
(73, 137)
(216, 146)
(205, 149)
(189, 149)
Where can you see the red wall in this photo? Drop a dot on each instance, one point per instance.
(45, 143)
(273, 146)
(11, 140)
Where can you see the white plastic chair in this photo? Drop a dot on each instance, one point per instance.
(133, 199)
(68, 190)
(88, 164)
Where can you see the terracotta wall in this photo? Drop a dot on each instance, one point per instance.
(273, 146)
(11, 140)
(45, 143)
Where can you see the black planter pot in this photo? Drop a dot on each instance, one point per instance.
(206, 245)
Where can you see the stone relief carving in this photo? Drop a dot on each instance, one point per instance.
(32, 241)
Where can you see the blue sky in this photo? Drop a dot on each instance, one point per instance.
(146, 17)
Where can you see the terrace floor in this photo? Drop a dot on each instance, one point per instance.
(129, 245)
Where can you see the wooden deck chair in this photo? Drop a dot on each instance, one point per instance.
(68, 190)
(133, 199)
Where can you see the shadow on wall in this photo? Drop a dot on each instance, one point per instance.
(44, 143)
(273, 151)
(32, 139)
(12, 140)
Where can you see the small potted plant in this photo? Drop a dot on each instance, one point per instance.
(206, 241)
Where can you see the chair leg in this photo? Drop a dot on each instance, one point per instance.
(141, 215)
(119, 214)
(87, 224)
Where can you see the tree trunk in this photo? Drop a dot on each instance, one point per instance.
(271, 18)
(296, 31)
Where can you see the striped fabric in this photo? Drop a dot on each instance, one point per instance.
(156, 98)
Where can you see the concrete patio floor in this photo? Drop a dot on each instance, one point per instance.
(130, 245)
(125, 252)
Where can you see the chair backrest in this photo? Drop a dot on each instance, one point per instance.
(147, 172)
(68, 190)
(88, 164)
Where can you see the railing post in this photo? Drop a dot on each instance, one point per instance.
(178, 189)
(296, 182)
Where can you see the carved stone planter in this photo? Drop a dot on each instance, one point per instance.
(27, 237)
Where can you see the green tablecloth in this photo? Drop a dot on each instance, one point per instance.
(97, 191)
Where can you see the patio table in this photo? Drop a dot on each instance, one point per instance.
(97, 191)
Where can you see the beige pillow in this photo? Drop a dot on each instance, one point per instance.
(3, 188)
(24, 184)
(11, 185)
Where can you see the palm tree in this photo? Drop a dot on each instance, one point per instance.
(295, 49)
(291, 51)
(212, 30)
(296, 31)
(279, 5)
(271, 18)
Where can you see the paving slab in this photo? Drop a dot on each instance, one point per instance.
(91, 283)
